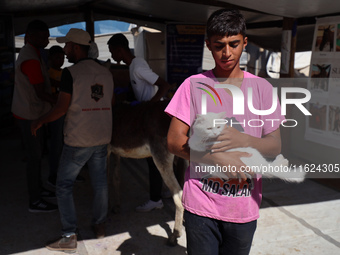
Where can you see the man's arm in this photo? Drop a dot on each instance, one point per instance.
(32, 69)
(269, 145)
(177, 138)
(58, 111)
(163, 88)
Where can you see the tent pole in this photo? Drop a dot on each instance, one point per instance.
(89, 22)
(288, 48)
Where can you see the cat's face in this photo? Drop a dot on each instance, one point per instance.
(206, 127)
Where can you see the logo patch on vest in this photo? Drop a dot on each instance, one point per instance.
(97, 92)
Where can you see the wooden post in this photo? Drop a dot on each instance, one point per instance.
(288, 48)
(89, 22)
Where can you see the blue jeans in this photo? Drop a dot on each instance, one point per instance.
(206, 236)
(56, 147)
(71, 162)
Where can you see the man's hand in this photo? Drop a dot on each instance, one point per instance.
(228, 139)
(35, 125)
(58, 111)
(231, 161)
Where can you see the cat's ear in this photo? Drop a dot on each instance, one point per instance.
(222, 115)
(199, 118)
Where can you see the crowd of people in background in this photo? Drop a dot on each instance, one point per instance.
(48, 99)
(50, 102)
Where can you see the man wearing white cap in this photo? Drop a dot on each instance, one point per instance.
(86, 95)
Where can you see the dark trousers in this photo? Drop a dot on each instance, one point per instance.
(155, 181)
(206, 236)
(56, 147)
(33, 148)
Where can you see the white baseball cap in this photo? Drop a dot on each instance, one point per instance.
(76, 35)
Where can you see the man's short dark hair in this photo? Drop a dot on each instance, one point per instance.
(119, 40)
(36, 26)
(226, 22)
(55, 49)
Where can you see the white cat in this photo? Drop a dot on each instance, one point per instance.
(204, 129)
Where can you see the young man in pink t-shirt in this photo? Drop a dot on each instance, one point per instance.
(221, 214)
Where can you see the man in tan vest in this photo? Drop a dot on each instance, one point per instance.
(86, 94)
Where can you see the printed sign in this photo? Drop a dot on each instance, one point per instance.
(324, 125)
(185, 45)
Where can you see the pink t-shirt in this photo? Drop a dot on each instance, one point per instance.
(226, 200)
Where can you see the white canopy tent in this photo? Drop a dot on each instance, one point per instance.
(264, 18)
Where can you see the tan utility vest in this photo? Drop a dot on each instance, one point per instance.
(26, 104)
(89, 118)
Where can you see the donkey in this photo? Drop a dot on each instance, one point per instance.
(139, 132)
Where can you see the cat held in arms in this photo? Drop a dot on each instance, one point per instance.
(204, 130)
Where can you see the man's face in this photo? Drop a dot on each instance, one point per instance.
(57, 60)
(38, 39)
(69, 52)
(226, 51)
(116, 53)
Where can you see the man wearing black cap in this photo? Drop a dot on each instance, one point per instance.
(86, 94)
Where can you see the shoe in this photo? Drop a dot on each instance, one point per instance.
(42, 206)
(47, 194)
(150, 205)
(99, 230)
(80, 179)
(65, 244)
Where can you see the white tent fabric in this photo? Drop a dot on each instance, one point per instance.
(301, 63)
(264, 17)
